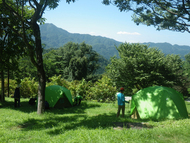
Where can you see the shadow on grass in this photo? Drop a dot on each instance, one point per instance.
(58, 125)
(73, 118)
(27, 108)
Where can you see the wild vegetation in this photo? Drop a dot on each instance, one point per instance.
(101, 90)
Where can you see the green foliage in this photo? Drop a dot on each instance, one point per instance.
(58, 80)
(50, 66)
(80, 88)
(102, 91)
(26, 68)
(187, 64)
(76, 61)
(140, 67)
(54, 64)
(171, 15)
(186, 70)
(102, 64)
(12, 86)
(29, 88)
(23, 17)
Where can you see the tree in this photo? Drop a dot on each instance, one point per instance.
(11, 50)
(26, 68)
(50, 64)
(140, 67)
(27, 14)
(186, 67)
(77, 61)
(163, 14)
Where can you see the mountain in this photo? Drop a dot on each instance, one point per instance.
(171, 49)
(55, 37)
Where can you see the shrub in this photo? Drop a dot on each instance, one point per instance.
(29, 88)
(12, 86)
(57, 80)
(80, 88)
(102, 91)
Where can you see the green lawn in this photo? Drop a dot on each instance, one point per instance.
(90, 122)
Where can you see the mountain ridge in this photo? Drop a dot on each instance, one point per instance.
(54, 37)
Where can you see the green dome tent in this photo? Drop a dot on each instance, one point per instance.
(58, 96)
(159, 102)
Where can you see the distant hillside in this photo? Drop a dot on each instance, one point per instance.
(55, 37)
(171, 49)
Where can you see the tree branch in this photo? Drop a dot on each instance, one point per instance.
(171, 11)
(31, 5)
(43, 9)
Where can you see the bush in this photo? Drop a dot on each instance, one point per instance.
(12, 86)
(29, 88)
(102, 91)
(80, 88)
(57, 80)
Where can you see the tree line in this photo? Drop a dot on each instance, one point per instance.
(72, 61)
(138, 66)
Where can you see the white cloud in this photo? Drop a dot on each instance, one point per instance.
(128, 33)
(92, 33)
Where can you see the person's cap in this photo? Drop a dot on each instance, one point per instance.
(121, 89)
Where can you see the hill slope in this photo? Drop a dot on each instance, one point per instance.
(171, 49)
(55, 37)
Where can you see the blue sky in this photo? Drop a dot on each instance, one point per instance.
(94, 18)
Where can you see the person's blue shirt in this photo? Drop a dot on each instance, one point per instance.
(121, 99)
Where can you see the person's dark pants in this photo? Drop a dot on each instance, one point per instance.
(17, 102)
(77, 102)
(121, 107)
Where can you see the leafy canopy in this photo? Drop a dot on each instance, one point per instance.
(73, 61)
(163, 14)
(141, 67)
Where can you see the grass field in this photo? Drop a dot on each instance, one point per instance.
(91, 122)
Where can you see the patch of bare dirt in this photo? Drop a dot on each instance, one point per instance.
(128, 125)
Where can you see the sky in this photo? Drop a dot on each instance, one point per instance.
(94, 18)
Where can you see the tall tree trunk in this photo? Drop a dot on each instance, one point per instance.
(40, 69)
(8, 74)
(2, 87)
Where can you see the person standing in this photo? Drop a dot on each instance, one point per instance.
(121, 102)
(17, 96)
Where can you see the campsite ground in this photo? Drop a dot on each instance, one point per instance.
(90, 122)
